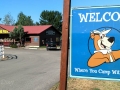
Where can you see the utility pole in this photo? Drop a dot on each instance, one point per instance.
(65, 40)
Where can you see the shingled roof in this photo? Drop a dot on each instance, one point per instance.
(28, 29)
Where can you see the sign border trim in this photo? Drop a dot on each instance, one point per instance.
(86, 77)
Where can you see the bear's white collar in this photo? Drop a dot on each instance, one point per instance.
(105, 51)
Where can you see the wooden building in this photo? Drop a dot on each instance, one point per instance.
(34, 35)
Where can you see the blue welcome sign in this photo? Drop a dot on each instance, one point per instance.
(95, 43)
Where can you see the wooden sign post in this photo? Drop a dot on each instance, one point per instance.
(65, 39)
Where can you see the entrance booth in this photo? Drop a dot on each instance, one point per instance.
(4, 37)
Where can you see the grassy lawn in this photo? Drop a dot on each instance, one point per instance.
(42, 46)
(85, 84)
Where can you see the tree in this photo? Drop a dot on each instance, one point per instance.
(18, 33)
(0, 19)
(51, 18)
(37, 23)
(24, 20)
(8, 19)
(13, 35)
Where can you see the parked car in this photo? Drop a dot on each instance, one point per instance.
(51, 45)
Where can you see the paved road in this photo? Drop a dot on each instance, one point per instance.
(33, 70)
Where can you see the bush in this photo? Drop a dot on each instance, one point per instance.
(13, 46)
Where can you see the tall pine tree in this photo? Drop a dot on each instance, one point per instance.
(51, 18)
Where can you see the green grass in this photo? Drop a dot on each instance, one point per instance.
(42, 46)
(95, 89)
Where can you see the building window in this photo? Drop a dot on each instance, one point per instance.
(35, 39)
(28, 39)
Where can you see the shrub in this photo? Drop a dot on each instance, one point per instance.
(13, 46)
(95, 89)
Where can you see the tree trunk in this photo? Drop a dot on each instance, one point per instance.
(13, 41)
(20, 42)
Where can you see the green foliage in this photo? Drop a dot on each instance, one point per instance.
(13, 35)
(0, 20)
(51, 18)
(24, 20)
(13, 46)
(42, 46)
(8, 19)
(95, 89)
(37, 23)
(20, 31)
(17, 33)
